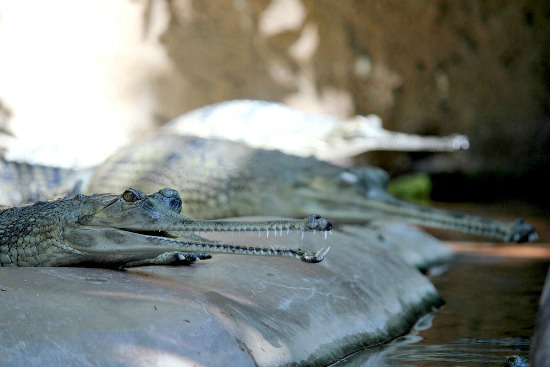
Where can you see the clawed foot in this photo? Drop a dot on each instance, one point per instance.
(170, 258)
(188, 258)
(522, 232)
(314, 258)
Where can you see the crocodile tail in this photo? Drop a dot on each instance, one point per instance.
(22, 183)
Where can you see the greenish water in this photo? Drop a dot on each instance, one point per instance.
(491, 303)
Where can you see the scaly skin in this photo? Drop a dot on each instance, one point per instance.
(126, 230)
(23, 183)
(219, 178)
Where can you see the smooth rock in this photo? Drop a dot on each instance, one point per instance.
(540, 345)
(232, 310)
(416, 247)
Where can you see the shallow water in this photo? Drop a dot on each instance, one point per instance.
(489, 315)
(491, 303)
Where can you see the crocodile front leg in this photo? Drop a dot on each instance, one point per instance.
(170, 258)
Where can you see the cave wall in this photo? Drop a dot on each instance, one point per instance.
(433, 67)
(111, 71)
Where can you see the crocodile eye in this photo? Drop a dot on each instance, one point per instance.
(130, 196)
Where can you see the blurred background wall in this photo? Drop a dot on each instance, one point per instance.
(80, 78)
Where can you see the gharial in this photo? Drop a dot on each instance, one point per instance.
(218, 178)
(271, 125)
(127, 230)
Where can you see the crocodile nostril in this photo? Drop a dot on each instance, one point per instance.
(317, 222)
(175, 204)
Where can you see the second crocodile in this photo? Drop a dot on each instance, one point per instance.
(218, 178)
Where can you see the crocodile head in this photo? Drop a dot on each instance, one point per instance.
(133, 209)
(110, 227)
(359, 196)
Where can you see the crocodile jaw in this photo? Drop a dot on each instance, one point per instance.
(114, 245)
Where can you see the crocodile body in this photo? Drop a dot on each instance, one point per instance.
(270, 125)
(22, 183)
(220, 178)
(130, 229)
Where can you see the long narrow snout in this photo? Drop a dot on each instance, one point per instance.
(379, 204)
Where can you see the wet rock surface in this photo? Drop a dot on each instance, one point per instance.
(231, 310)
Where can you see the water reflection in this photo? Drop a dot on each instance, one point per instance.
(463, 352)
(489, 315)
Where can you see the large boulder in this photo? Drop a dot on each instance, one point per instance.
(232, 310)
